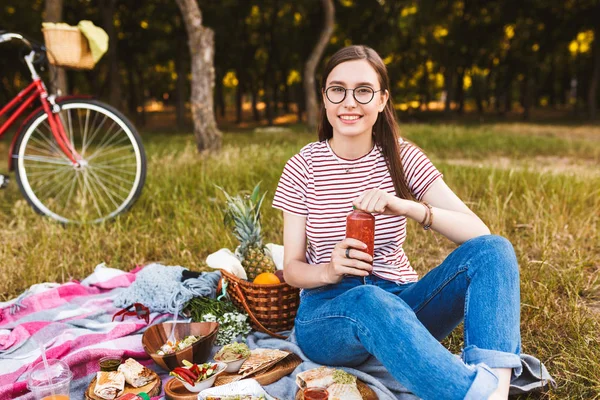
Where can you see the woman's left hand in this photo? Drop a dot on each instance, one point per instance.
(381, 202)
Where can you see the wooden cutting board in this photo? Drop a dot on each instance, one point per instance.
(174, 389)
(365, 391)
(152, 388)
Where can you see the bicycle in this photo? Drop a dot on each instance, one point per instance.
(76, 160)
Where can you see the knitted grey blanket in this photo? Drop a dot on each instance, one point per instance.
(160, 288)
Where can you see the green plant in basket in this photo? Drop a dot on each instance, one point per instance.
(232, 322)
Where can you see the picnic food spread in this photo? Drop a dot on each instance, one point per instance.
(169, 347)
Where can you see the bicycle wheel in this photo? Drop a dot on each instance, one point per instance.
(111, 173)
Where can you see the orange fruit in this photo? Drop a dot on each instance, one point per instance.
(266, 278)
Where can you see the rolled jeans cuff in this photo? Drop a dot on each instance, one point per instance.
(493, 359)
(484, 384)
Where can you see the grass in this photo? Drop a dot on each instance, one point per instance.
(551, 217)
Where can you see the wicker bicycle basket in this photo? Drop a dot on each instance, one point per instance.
(271, 308)
(68, 47)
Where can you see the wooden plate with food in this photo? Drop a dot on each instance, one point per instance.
(119, 382)
(339, 384)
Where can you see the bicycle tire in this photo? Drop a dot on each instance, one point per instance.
(98, 189)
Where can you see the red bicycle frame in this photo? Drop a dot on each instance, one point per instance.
(35, 90)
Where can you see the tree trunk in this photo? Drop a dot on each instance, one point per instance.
(593, 88)
(313, 60)
(114, 80)
(201, 42)
(54, 13)
(449, 87)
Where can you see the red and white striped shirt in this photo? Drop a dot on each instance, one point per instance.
(321, 186)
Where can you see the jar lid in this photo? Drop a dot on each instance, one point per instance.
(56, 374)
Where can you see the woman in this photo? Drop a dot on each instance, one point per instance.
(353, 306)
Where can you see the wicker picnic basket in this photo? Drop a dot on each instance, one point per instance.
(68, 47)
(271, 308)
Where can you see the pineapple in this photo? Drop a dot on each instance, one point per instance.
(244, 214)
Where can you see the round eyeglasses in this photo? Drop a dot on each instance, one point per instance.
(362, 94)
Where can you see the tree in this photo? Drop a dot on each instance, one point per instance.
(54, 13)
(313, 60)
(202, 51)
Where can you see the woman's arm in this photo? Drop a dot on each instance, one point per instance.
(451, 217)
(298, 273)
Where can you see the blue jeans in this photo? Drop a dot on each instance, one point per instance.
(402, 324)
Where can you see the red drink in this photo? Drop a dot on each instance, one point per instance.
(360, 225)
(315, 394)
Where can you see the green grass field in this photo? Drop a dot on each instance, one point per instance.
(537, 185)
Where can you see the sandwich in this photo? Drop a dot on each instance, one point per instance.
(341, 391)
(135, 373)
(321, 377)
(109, 385)
(260, 360)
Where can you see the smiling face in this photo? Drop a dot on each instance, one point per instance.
(351, 118)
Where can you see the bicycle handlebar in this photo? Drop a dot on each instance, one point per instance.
(33, 45)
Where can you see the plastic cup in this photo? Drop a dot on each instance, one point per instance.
(52, 383)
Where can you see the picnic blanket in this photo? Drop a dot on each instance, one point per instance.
(73, 321)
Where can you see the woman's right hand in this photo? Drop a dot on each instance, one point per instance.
(357, 264)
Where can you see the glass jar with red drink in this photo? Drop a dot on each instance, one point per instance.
(360, 225)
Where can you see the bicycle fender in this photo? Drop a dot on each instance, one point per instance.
(11, 166)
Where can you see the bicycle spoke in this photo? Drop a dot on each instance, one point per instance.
(106, 190)
(116, 149)
(103, 144)
(84, 146)
(107, 181)
(73, 185)
(108, 174)
(118, 168)
(64, 191)
(112, 160)
(43, 159)
(85, 185)
(98, 187)
(45, 183)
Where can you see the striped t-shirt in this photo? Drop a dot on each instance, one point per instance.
(321, 186)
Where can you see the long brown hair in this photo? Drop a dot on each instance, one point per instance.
(385, 130)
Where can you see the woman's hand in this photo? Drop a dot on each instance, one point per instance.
(348, 258)
(381, 202)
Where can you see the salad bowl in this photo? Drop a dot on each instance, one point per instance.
(203, 377)
(156, 336)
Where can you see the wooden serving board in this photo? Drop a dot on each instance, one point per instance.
(365, 391)
(174, 389)
(152, 388)
(268, 376)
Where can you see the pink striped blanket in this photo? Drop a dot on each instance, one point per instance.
(73, 321)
